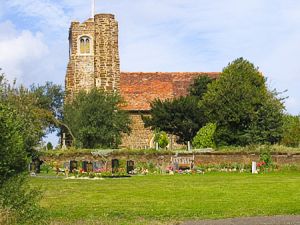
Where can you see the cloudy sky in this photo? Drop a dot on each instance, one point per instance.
(159, 35)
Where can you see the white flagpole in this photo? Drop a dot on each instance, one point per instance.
(93, 8)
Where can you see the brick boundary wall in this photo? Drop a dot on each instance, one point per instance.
(200, 158)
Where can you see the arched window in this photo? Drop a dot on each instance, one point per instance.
(85, 45)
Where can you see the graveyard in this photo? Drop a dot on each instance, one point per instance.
(162, 187)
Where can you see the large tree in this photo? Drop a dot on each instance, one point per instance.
(181, 117)
(39, 106)
(199, 86)
(96, 120)
(291, 128)
(244, 110)
(18, 202)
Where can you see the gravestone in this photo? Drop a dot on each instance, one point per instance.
(89, 167)
(97, 166)
(35, 166)
(130, 166)
(115, 165)
(73, 165)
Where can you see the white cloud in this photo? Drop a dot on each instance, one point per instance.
(19, 50)
(50, 14)
(172, 35)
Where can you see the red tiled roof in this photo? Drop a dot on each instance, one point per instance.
(139, 89)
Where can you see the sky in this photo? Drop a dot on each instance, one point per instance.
(159, 35)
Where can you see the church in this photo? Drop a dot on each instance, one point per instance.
(94, 62)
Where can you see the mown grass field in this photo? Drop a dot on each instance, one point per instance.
(169, 199)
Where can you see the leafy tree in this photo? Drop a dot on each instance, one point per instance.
(291, 131)
(49, 146)
(96, 119)
(243, 108)
(199, 86)
(13, 158)
(181, 117)
(18, 201)
(39, 107)
(49, 97)
(161, 138)
(205, 137)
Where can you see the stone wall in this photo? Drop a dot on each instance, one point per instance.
(107, 62)
(200, 158)
(140, 137)
(99, 68)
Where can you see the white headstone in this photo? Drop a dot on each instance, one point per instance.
(189, 146)
(156, 145)
(254, 167)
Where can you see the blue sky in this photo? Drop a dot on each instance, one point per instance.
(159, 35)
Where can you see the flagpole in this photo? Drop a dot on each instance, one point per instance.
(93, 8)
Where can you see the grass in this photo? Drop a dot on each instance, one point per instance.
(169, 199)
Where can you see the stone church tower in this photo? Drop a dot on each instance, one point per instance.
(93, 55)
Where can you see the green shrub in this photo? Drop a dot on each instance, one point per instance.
(162, 139)
(205, 137)
(20, 202)
(265, 156)
(291, 128)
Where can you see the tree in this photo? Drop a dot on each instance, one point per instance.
(13, 158)
(199, 86)
(181, 117)
(96, 119)
(18, 201)
(205, 136)
(49, 146)
(242, 107)
(39, 106)
(291, 131)
(161, 138)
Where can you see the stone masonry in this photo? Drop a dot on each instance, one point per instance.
(101, 66)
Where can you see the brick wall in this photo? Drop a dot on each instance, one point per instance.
(159, 159)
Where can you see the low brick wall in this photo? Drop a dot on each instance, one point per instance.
(159, 159)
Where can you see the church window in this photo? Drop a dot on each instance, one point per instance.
(85, 45)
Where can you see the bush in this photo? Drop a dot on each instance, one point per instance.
(291, 128)
(265, 156)
(205, 137)
(19, 202)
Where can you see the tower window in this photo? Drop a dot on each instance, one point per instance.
(85, 45)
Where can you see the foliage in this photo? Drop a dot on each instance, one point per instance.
(21, 201)
(291, 131)
(265, 156)
(181, 117)
(21, 128)
(13, 158)
(243, 108)
(38, 106)
(96, 120)
(199, 86)
(49, 146)
(205, 136)
(161, 138)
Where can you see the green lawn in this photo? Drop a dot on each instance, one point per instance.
(166, 199)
